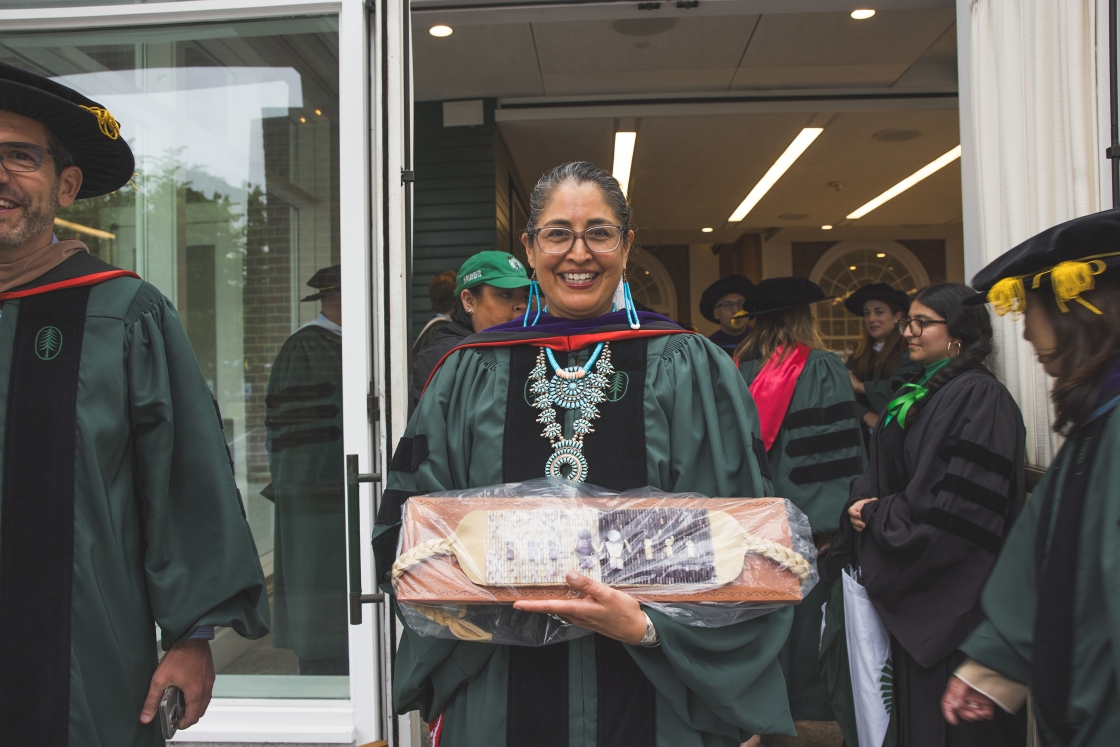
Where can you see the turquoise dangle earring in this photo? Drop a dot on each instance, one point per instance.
(631, 310)
(534, 292)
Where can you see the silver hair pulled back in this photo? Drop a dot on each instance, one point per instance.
(578, 172)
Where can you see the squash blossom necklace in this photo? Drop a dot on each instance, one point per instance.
(572, 388)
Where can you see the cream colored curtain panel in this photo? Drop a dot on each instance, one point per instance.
(1034, 121)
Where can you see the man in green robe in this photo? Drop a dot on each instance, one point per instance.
(678, 417)
(118, 505)
(304, 425)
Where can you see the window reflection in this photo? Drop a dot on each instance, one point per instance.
(233, 209)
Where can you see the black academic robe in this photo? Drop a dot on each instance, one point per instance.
(949, 486)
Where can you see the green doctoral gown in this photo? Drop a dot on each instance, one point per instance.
(715, 687)
(159, 530)
(818, 451)
(305, 459)
(1004, 641)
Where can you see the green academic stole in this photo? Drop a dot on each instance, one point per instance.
(37, 501)
(37, 519)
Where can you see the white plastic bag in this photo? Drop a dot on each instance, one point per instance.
(869, 659)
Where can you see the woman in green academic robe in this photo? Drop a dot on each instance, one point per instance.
(810, 429)
(881, 363)
(676, 415)
(1052, 604)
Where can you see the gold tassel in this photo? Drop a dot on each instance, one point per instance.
(1071, 279)
(109, 126)
(1008, 296)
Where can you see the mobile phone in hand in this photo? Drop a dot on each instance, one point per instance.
(172, 704)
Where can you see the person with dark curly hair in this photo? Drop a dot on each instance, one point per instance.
(1051, 603)
(924, 523)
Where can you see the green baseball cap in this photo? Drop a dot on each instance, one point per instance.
(500, 269)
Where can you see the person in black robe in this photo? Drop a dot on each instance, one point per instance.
(721, 303)
(925, 522)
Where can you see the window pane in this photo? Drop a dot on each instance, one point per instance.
(234, 210)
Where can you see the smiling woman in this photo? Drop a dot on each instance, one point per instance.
(572, 390)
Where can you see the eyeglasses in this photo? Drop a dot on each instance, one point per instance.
(917, 326)
(730, 305)
(559, 240)
(23, 157)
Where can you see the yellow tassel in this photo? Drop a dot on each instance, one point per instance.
(1008, 296)
(1071, 279)
(110, 127)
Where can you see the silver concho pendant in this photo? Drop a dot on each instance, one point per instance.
(569, 452)
(568, 393)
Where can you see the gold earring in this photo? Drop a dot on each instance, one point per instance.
(950, 348)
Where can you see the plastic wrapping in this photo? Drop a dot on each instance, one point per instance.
(465, 556)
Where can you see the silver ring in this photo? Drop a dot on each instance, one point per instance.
(973, 705)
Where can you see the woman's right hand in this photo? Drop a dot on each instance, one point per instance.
(857, 385)
(854, 512)
(961, 702)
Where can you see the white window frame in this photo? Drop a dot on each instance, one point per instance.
(358, 720)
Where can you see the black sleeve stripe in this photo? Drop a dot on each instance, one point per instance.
(410, 453)
(979, 455)
(964, 529)
(300, 393)
(974, 492)
(822, 415)
(824, 442)
(302, 416)
(305, 438)
(763, 458)
(825, 471)
(389, 512)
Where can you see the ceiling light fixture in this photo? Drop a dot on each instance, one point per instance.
(881, 255)
(706, 230)
(863, 14)
(623, 158)
(440, 31)
(793, 152)
(826, 228)
(907, 183)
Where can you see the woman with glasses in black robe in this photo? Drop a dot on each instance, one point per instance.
(925, 521)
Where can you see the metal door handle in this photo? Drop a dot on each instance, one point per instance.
(353, 538)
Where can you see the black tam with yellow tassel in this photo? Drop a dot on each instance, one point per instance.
(1067, 257)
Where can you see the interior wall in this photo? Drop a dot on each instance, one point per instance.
(703, 270)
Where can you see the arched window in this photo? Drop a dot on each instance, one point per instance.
(850, 265)
(651, 284)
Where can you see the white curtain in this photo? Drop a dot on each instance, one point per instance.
(1034, 121)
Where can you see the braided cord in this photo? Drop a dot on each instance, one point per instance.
(424, 551)
(780, 554)
(456, 623)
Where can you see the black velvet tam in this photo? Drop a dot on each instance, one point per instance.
(94, 136)
(326, 281)
(720, 288)
(778, 294)
(895, 298)
(1079, 239)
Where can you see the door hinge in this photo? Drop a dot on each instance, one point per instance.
(373, 408)
(407, 176)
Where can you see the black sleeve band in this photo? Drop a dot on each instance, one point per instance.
(964, 529)
(410, 453)
(822, 415)
(389, 512)
(763, 458)
(824, 442)
(385, 542)
(974, 492)
(305, 438)
(300, 393)
(979, 455)
(826, 471)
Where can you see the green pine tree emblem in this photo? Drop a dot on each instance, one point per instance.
(48, 343)
(886, 686)
(616, 389)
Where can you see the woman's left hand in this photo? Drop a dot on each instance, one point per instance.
(857, 385)
(963, 703)
(855, 512)
(600, 608)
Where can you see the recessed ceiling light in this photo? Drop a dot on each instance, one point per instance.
(803, 140)
(707, 230)
(303, 119)
(852, 267)
(907, 183)
(826, 228)
(623, 158)
(863, 14)
(318, 112)
(881, 255)
(442, 31)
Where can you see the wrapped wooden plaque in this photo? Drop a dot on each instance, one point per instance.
(486, 550)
